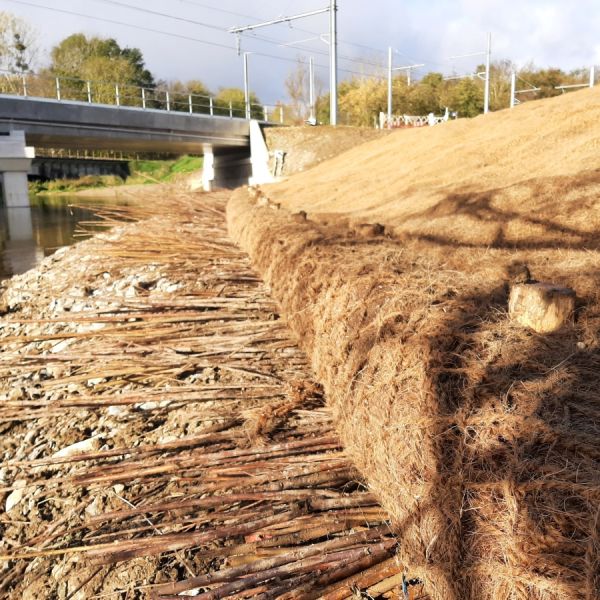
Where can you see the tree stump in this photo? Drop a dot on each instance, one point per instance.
(543, 307)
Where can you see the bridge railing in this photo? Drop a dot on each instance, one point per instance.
(109, 93)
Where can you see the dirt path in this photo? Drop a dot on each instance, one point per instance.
(161, 431)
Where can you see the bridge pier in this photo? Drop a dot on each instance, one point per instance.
(15, 163)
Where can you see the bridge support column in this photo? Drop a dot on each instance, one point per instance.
(15, 163)
(208, 168)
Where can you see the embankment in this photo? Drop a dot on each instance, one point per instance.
(479, 437)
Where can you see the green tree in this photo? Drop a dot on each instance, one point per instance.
(467, 98)
(79, 59)
(424, 97)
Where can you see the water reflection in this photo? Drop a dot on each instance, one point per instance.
(28, 234)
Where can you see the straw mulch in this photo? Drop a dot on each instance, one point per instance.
(162, 434)
(480, 438)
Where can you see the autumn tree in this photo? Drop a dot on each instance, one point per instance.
(180, 92)
(234, 98)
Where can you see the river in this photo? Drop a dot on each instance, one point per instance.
(27, 235)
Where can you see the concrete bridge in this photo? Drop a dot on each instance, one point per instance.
(233, 148)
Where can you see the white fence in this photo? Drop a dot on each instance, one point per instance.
(398, 121)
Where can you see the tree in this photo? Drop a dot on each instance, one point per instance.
(17, 44)
(424, 97)
(180, 92)
(361, 100)
(500, 75)
(234, 98)
(467, 98)
(79, 59)
(297, 87)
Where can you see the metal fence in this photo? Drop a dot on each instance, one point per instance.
(114, 94)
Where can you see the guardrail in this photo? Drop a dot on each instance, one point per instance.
(31, 85)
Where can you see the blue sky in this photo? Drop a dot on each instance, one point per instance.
(548, 32)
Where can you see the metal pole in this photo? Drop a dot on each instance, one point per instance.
(266, 113)
(190, 104)
(486, 100)
(230, 110)
(513, 86)
(389, 90)
(89, 91)
(168, 100)
(143, 97)
(211, 106)
(592, 75)
(246, 87)
(333, 107)
(311, 89)
(24, 86)
(117, 95)
(57, 88)
(238, 30)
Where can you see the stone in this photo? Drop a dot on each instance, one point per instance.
(543, 307)
(92, 444)
(16, 495)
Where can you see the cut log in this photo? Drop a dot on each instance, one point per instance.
(543, 307)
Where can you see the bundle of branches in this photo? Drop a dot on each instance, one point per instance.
(480, 438)
(161, 432)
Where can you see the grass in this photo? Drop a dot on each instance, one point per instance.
(141, 171)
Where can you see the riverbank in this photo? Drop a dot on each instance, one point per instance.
(161, 431)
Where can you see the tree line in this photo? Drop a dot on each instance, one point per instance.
(362, 98)
(100, 69)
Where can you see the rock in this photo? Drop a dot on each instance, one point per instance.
(92, 444)
(95, 507)
(115, 411)
(543, 307)
(16, 495)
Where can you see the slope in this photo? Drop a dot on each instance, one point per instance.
(478, 436)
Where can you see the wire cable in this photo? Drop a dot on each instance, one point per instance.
(170, 34)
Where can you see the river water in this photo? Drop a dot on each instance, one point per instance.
(29, 234)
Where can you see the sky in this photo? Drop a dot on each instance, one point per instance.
(548, 32)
